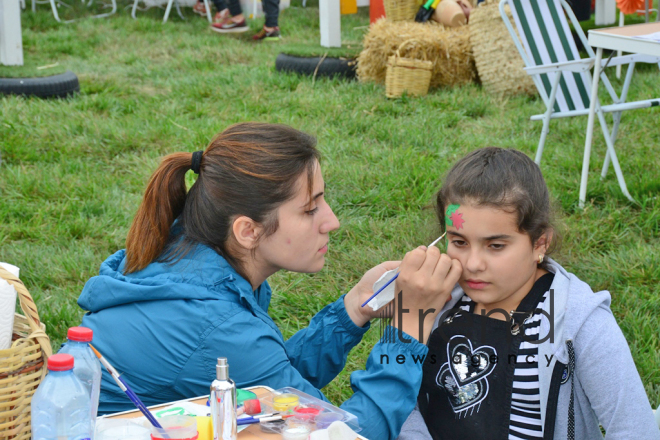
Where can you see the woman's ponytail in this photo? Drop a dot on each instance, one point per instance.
(162, 203)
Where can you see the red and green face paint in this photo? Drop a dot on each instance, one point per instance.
(454, 218)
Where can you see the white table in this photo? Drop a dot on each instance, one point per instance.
(615, 38)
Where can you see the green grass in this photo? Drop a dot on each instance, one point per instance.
(35, 67)
(73, 170)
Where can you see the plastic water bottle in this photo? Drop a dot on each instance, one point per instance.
(61, 405)
(87, 366)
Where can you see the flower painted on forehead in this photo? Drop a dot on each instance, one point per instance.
(454, 218)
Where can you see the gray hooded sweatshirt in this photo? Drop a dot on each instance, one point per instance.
(607, 387)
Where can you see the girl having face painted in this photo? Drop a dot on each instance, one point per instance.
(524, 349)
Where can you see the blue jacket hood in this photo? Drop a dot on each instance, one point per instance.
(205, 273)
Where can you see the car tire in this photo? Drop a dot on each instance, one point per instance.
(327, 67)
(55, 86)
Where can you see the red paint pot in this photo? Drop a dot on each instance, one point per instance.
(306, 413)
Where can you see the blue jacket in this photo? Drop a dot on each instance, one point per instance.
(164, 327)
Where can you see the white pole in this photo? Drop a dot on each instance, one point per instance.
(605, 12)
(11, 40)
(330, 18)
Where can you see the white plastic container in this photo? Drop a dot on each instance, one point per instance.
(121, 429)
(175, 428)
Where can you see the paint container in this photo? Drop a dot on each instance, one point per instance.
(121, 430)
(299, 432)
(249, 407)
(324, 420)
(285, 402)
(175, 428)
(306, 414)
(273, 427)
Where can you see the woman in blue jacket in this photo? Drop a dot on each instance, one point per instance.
(191, 285)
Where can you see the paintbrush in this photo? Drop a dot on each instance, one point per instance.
(426, 11)
(397, 274)
(126, 389)
(260, 419)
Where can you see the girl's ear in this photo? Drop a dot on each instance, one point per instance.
(543, 243)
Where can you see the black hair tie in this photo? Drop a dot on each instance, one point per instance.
(196, 161)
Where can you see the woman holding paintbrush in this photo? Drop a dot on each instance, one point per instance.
(192, 286)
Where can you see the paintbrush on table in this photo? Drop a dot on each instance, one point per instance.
(126, 389)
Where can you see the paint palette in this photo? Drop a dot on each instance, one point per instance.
(307, 409)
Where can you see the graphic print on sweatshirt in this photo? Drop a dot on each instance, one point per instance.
(465, 374)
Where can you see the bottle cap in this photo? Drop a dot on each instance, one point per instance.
(80, 334)
(222, 369)
(60, 362)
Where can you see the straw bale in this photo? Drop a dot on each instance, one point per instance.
(447, 48)
(498, 62)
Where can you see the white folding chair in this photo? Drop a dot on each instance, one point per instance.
(178, 10)
(54, 4)
(561, 77)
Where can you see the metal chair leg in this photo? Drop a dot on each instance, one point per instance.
(546, 118)
(615, 160)
(617, 115)
(593, 108)
(54, 7)
(178, 10)
(208, 11)
(107, 14)
(167, 10)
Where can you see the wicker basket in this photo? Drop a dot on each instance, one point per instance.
(408, 74)
(22, 367)
(498, 62)
(400, 10)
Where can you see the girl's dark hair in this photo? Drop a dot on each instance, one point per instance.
(504, 179)
(249, 169)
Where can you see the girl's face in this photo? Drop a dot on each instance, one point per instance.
(301, 240)
(499, 263)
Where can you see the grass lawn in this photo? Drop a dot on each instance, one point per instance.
(73, 171)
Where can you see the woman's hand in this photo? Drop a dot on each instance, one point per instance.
(426, 279)
(363, 290)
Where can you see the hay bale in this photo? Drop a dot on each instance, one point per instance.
(498, 62)
(447, 48)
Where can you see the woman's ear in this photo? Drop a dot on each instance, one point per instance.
(543, 242)
(246, 232)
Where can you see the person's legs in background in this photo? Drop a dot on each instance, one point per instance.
(271, 30)
(221, 15)
(234, 24)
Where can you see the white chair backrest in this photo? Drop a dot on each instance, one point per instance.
(546, 38)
